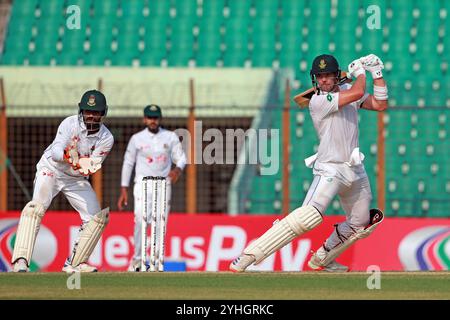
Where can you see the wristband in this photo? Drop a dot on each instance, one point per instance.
(380, 93)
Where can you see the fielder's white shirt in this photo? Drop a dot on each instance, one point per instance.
(153, 155)
(338, 153)
(73, 130)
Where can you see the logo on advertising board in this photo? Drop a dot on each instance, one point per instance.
(44, 252)
(426, 249)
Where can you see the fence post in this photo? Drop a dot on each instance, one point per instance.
(3, 151)
(286, 131)
(191, 170)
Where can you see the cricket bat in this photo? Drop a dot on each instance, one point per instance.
(302, 99)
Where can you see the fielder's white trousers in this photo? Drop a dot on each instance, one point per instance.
(137, 193)
(355, 200)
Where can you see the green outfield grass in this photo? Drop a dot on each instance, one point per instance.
(226, 285)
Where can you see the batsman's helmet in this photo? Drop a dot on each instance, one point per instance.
(324, 63)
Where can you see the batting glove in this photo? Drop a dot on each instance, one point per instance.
(89, 166)
(373, 64)
(355, 68)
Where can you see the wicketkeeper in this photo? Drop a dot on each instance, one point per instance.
(79, 149)
(337, 166)
(152, 150)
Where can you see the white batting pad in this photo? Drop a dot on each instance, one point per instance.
(282, 232)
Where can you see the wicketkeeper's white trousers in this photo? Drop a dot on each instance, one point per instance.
(78, 191)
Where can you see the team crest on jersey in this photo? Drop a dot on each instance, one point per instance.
(329, 97)
(165, 146)
(91, 100)
(322, 64)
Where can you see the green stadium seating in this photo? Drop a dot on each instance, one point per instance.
(160, 8)
(239, 9)
(133, 9)
(106, 8)
(51, 8)
(209, 39)
(94, 59)
(213, 8)
(293, 8)
(37, 59)
(186, 8)
(26, 9)
(13, 58)
(68, 59)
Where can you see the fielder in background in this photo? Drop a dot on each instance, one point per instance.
(153, 151)
(79, 149)
(337, 167)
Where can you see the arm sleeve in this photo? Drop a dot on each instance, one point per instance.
(61, 141)
(129, 160)
(103, 148)
(177, 153)
(324, 104)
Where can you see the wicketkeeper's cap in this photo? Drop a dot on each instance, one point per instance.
(152, 111)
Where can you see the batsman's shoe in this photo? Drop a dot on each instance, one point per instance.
(241, 263)
(82, 267)
(315, 264)
(20, 266)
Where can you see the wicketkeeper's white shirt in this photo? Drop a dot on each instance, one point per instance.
(73, 130)
(153, 155)
(338, 153)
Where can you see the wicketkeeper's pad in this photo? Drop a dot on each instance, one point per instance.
(89, 237)
(29, 224)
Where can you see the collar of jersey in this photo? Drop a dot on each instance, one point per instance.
(154, 134)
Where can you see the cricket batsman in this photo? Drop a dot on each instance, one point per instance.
(337, 166)
(81, 145)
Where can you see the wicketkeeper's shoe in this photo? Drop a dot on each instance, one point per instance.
(20, 265)
(241, 263)
(82, 267)
(315, 264)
